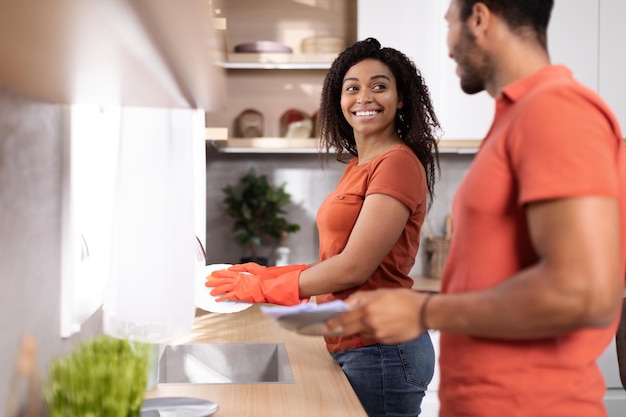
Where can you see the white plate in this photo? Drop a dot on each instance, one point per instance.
(207, 302)
(177, 407)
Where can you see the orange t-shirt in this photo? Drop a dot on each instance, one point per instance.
(397, 173)
(551, 138)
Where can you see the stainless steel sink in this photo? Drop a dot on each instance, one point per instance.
(226, 363)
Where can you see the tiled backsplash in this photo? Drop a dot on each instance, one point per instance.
(308, 181)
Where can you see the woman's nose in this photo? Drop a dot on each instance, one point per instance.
(363, 97)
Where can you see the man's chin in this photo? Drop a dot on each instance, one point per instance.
(472, 88)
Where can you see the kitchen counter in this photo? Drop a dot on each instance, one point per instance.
(426, 284)
(320, 388)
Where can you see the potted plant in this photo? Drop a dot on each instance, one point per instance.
(257, 206)
(104, 376)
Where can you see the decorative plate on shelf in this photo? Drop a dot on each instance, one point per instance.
(249, 124)
(295, 123)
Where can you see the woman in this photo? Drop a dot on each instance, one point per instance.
(377, 115)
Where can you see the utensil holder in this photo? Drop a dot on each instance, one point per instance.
(436, 253)
(436, 249)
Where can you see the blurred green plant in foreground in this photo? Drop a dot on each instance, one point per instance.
(103, 377)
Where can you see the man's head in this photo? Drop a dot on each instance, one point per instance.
(470, 19)
(520, 15)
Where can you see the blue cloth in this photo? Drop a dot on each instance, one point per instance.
(390, 380)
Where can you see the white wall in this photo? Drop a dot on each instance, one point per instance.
(30, 252)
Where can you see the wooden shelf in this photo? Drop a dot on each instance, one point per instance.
(310, 145)
(216, 133)
(277, 61)
(268, 145)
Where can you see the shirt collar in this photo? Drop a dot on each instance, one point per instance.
(516, 90)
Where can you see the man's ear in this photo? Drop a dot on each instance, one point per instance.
(479, 19)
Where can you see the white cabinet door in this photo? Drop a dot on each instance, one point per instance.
(413, 27)
(612, 82)
(418, 29)
(573, 36)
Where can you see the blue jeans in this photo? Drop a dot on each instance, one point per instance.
(390, 380)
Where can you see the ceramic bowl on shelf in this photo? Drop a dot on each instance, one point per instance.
(262, 47)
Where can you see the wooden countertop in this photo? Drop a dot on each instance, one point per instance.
(426, 284)
(320, 388)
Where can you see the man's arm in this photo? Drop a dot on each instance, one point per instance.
(576, 283)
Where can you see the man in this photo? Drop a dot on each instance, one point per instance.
(534, 280)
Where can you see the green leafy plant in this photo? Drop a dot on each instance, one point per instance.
(257, 206)
(103, 377)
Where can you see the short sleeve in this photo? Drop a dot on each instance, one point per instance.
(563, 145)
(400, 175)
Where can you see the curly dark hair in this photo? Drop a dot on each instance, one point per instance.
(416, 123)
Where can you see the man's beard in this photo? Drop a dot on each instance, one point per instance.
(472, 63)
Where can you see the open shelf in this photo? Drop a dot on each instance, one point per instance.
(310, 145)
(277, 61)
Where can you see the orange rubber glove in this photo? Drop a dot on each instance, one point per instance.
(260, 271)
(282, 290)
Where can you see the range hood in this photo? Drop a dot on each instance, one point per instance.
(154, 53)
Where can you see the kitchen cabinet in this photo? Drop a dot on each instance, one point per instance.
(573, 37)
(275, 82)
(612, 85)
(582, 35)
(586, 35)
(420, 31)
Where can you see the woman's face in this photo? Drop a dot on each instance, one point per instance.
(369, 98)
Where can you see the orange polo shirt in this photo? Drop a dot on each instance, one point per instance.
(551, 138)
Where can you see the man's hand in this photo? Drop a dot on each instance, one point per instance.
(386, 315)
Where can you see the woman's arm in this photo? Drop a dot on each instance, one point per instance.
(377, 229)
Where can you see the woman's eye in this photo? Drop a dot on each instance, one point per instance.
(351, 88)
(379, 87)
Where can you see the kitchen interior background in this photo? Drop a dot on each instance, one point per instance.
(31, 156)
(274, 91)
(308, 182)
